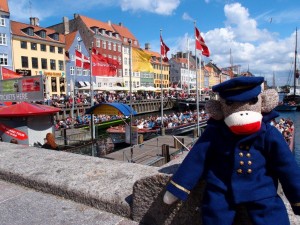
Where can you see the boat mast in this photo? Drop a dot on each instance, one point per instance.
(295, 66)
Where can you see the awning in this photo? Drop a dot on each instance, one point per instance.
(27, 109)
(87, 83)
(81, 83)
(111, 109)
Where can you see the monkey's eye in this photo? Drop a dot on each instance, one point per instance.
(253, 101)
(229, 102)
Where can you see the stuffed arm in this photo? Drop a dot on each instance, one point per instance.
(189, 172)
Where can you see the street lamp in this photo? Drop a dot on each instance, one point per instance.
(130, 97)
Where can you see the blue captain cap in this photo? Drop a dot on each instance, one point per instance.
(240, 89)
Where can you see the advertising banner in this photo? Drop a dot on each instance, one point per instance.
(22, 89)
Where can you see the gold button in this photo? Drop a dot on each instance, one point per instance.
(241, 154)
(242, 163)
(247, 147)
(248, 155)
(249, 171)
(249, 163)
(239, 171)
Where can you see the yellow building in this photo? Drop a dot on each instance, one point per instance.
(39, 51)
(159, 69)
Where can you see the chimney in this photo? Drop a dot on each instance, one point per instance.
(66, 25)
(76, 15)
(147, 46)
(34, 21)
(109, 23)
(121, 24)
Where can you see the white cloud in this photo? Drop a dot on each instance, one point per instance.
(187, 17)
(165, 7)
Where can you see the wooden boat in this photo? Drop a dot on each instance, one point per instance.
(103, 125)
(118, 133)
(286, 107)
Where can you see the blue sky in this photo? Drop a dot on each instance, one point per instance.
(259, 33)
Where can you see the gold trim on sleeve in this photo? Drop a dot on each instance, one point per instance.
(296, 204)
(180, 187)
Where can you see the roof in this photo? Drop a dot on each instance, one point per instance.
(27, 109)
(111, 109)
(89, 22)
(155, 57)
(124, 32)
(70, 39)
(17, 29)
(4, 6)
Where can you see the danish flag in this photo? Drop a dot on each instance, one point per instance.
(82, 61)
(200, 43)
(163, 50)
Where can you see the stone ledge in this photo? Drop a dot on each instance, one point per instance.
(100, 183)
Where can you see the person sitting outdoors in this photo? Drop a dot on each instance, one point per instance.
(50, 142)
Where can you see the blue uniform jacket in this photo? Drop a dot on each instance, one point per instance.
(244, 168)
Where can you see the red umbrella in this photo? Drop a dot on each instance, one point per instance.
(27, 109)
(9, 74)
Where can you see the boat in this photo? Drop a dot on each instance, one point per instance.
(102, 125)
(294, 94)
(118, 133)
(286, 107)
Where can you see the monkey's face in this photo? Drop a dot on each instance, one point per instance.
(242, 118)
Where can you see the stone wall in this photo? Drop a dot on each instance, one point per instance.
(126, 189)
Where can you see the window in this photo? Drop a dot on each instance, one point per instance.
(2, 22)
(125, 61)
(24, 44)
(30, 31)
(126, 72)
(119, 48)
(43, 34)
(98, 43)
(43, 47)
(33, 46)
(52, 64)
(3, 39)
(34, 62)
(104, 44)
(72, 70)
(78, 47)
(52, 49)
(109, 45)
(3, 59)
(114, 47)
(24, 60)
(53, 84)
(60, 50)
(55, 36)
(61, 84)
(60, 65)
(44, 64)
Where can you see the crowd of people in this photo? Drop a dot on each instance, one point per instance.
(286, 127)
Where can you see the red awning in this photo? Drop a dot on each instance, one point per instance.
(9, 74)
(27, 109)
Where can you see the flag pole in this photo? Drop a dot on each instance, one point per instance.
(197, 84)
(188, 58)
(92, 101)
(161, 91)
(130, 97)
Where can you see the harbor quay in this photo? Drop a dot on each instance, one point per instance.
(92, 189)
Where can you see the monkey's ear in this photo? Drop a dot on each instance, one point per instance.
(270, 100)
(213, 108)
